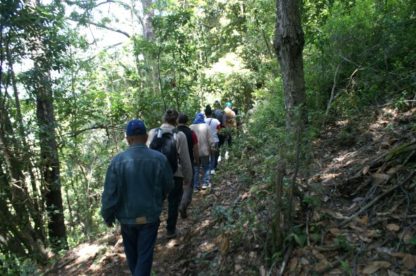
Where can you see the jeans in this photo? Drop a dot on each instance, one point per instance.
(139, 242)
(174, 199)
(187, 196)
(204, 163)
(213, 157)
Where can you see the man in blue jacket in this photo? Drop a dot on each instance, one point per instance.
(137, 181)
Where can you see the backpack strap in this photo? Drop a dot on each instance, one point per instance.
(175, 133)
(159, 133)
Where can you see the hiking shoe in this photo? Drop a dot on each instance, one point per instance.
(204, 186)
(212, 171)
(183, 213)
(196, 190)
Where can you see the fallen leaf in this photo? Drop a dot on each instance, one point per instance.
(379, 178)
(362, 220)
(407, 236)
(318, 255)
(375, 266)
(399, 254)
(409, 261)
(245, 195)
(392, 273)
(393, 170)
(304, 261)
(335, 231)
(393, 227)
(293, 264)
(322, 265)
(223, 244)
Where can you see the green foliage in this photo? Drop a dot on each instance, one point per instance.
(346, 267)
(343, 244)
(312, 201)
(367, 42)
(299, 238)
(361, 51)
(11, 265)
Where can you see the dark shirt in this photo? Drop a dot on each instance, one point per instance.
(136, 182)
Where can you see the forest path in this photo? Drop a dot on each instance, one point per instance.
(227, 230)
(186, 254)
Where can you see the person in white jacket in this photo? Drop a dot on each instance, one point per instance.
(205, 141)
(214, 126)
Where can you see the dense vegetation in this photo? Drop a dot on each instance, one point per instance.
(65, 97)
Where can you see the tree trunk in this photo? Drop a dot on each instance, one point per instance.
(148, 13)
(289, 42)
(14, 194)
(26, 153)
(50, 159)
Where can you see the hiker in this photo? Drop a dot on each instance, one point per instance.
(205, 141)
(183, 173)
(214, 125)
(229, 123)
(137, 181)
(192, 140)
(238, 120)
(218, 114)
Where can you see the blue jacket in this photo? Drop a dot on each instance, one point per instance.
(136, 183)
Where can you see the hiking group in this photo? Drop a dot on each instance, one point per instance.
(172, 161)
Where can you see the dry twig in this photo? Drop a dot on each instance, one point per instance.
(377, 199)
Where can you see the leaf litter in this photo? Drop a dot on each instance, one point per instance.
(364, 224)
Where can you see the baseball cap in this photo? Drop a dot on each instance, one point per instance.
(135, 127)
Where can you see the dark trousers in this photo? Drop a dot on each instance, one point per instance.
(139, 242)
(174, 199)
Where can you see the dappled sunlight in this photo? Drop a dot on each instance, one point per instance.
(207, 246)
(170, 244)
(87, 250)
(329, 176)
(231, 63)
(203, 224)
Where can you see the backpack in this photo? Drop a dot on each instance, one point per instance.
(165, 142)
(229, 117)
(219, 115)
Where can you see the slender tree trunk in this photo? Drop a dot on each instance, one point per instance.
(26, 152)
(289, 42)
(14, 195)
(148, 34)
(50, 159)
(148, 13)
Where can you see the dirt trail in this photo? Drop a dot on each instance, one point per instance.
(176, 256)
(353, 164)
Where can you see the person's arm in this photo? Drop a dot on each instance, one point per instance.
(166, 177)
(195, 148)
(110, 196)
(210, 138)
(184, 157)
(150, 137)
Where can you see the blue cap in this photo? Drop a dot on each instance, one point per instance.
(135, 127)
(228, 104)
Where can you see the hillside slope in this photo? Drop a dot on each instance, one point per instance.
(360, 213)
